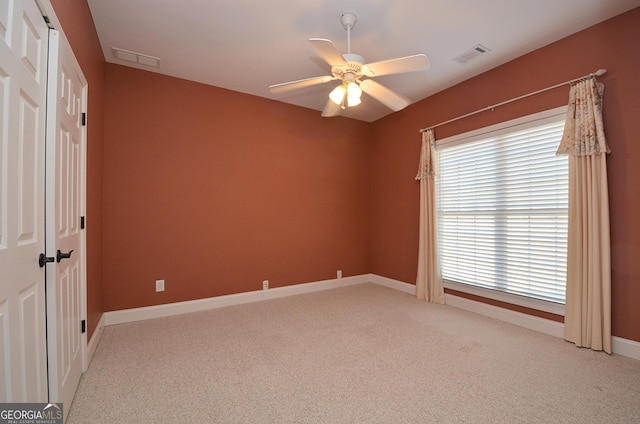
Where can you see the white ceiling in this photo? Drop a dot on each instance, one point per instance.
(247, 45)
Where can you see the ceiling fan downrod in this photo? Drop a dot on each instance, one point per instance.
(348, 22)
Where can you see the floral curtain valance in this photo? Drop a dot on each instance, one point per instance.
(584, 129)
(425, 167)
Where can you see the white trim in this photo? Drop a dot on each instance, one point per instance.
(527, 302)
(46, 8)
(531, 322)
(169, 309)
(625, 347)
(539, 118)
(393, 284)
(95, 339)
(620, 346)
(528, 321)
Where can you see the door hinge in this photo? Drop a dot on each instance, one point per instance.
(83, 325)
(82, 222)
(48, 22)
(84, 119)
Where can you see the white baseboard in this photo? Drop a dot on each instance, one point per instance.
(95, 339)
(625, 347)
(620, 346)
(169, 309)
(531, 322)
(393, 284)
(528, 321)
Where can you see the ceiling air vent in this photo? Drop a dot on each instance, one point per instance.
(134, 57)
(472, 53)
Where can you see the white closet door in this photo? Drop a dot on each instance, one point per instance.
(66, 141)
(23, 79)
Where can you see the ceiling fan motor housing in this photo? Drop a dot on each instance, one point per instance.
(352, 70)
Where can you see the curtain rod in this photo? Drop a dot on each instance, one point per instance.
(597, 73)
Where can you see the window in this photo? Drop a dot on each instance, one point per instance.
(502, 200)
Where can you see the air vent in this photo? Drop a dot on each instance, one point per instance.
(134, 57)
(472, 53)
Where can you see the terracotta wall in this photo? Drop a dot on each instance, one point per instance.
(215, 191)
(77, 23)
(613, 45)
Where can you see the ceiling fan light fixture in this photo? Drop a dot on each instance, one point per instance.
(353, 101)
(353, 94)
(337, 95)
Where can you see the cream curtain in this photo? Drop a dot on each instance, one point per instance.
(429, 279)
(588, 299)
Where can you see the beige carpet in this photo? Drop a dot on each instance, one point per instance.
(358, 354)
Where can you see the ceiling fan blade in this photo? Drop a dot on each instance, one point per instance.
(384, 95)
(328, 51)
(331, 109)
(417, 62)
(293, 85)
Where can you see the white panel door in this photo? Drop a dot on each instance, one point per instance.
(66, 141)
(23, 79)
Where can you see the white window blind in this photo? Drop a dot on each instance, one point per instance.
(502, 210)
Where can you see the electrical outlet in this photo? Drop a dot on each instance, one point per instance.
(265, 285)
(339, 273)
(159, 285)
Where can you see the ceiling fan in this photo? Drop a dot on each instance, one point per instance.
(354, 75)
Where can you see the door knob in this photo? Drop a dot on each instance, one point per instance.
(43, 259)
(60, 256)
